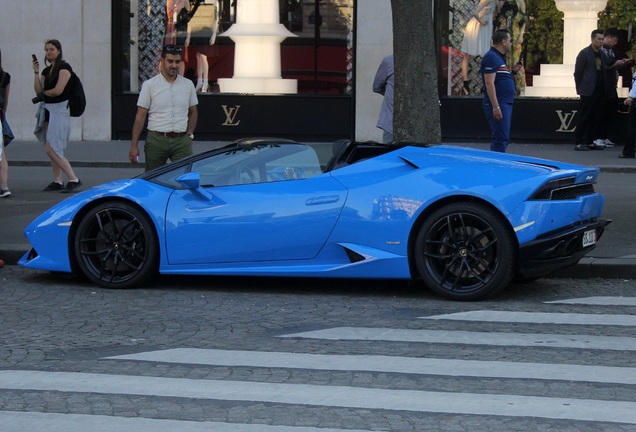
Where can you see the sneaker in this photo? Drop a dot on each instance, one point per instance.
(598, 144)
(53, 186)
(581, 147)
(609, 143)
(5, 193)
(71, 186)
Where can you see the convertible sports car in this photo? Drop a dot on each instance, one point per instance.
(465, 222)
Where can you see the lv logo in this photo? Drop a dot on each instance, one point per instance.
(566, 121)
(230, 115)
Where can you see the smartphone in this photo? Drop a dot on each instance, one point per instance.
(34, 57)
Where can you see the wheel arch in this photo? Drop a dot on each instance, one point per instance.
(452, 200)
(90, 206)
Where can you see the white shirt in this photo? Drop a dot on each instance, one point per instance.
(167, 103)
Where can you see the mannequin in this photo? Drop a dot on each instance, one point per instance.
(203, 84)
(177, 27)
(512, 17)
(477, 36)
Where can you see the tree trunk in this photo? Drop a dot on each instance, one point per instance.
(416, 117)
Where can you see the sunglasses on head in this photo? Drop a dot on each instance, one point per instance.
(172, 49)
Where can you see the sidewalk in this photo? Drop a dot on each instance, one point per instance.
(111, 159)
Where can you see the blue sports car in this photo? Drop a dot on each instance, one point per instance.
(465, 222)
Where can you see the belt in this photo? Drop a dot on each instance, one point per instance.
(168, 134)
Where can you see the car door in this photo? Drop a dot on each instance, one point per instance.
(281, 216)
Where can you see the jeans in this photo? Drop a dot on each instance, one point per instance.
(500, 129)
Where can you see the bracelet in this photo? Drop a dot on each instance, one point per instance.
(37, 73)
(496, 108)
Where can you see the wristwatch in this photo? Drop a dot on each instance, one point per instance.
(191, 136)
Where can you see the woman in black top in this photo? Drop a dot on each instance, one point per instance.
(53, 89)
(5, 86)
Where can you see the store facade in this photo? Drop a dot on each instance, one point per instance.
(307, 65)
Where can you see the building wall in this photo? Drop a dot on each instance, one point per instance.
(374, 42)
(84, 29)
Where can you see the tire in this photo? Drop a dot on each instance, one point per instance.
(116, 246)
(464, 251)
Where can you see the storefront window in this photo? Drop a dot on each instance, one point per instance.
(318, 58)
(538, 40)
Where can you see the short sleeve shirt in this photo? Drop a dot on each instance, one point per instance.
(5, 80)
(51, 83)
(167, 103)
(494, 62)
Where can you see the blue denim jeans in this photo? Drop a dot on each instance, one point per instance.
(500, 129)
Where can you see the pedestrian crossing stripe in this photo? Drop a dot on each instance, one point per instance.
(539, 318)
(13, 421)
(598, 301)
(325, 395)
(460, 337)
(389, 364)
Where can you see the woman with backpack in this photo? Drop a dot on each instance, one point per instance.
(5, 134)
(53, 127)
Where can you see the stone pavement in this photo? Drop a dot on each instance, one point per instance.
(108, 160)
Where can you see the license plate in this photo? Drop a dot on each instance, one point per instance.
(589, 238)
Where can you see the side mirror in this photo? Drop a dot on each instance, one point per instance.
(192, 182)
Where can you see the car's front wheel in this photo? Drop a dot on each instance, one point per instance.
(464, 251)
(115, 246)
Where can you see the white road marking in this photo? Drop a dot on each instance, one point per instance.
(324, 395)
(539, 318)
(13, 421)
(472, 338)
(598, 301)
(389, 364)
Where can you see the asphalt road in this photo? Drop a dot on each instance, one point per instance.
(290, 355)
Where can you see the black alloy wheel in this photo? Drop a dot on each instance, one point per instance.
(465, 251)
(116, 247)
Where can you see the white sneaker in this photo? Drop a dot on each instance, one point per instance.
(599, 144)
(609, 143)
(4, 193)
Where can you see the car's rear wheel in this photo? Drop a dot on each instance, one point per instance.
(116, 246)
(464, 251)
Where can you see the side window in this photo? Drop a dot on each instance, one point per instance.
(258, 164)
(226, 169)
(298, 165)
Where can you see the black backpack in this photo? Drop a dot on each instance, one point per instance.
(76, 98)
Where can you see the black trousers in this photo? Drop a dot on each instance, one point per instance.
(630, 144)
(607, 117)
(589, 117)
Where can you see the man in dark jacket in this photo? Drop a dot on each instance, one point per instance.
(609, 110)
(590, 77)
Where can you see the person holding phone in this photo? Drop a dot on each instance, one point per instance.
(5, 131)
(500, 89)
(54, 119)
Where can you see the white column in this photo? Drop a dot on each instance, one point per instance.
(257, 35)
(580, 18)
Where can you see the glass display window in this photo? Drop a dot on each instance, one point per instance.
(318, 55)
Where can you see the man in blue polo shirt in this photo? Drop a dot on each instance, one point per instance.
(500, 89)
